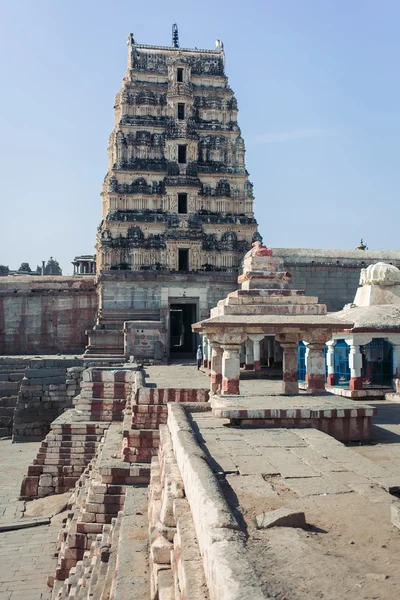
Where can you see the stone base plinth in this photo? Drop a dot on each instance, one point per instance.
(335, 416)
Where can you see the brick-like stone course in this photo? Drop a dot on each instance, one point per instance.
(47, 390)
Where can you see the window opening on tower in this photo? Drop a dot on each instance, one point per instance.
(182, 154)
(183, 259)
(181, 111)
(182, 204)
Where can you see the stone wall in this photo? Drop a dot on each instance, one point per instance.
(332, 275)
(11, 374)
(143, 338)
(46, 391)
(45, 315)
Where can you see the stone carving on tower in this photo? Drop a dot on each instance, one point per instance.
(177, 195)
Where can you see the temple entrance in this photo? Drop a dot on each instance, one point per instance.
(182, 342)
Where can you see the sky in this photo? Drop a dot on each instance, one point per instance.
(317, 83)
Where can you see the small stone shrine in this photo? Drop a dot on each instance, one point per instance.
(266, 306)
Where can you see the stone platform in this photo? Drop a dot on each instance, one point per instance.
(336, 416)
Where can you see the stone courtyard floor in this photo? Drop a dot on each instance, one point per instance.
(26, 555)
(350, 550)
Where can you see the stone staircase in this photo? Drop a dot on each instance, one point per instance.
(145, 412)
(74, 437)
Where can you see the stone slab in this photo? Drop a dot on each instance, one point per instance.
(317, 486)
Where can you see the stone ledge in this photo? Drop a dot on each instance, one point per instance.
(228, 572)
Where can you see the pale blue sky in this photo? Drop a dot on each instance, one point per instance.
(317, 83)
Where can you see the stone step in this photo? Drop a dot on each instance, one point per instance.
(392, 396)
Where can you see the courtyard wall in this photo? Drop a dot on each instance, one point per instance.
(332, 275)
(46, 315)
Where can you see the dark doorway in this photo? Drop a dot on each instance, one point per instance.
(181, 339)
(183, 259)
(182, 204)
(179, 74)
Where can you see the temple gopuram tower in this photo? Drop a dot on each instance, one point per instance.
(177, 214)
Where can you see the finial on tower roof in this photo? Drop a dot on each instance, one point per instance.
(175, 36)
(362, 246)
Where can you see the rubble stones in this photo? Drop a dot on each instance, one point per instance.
(282, 517)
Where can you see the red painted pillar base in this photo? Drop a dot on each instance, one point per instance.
(315, 383)
(257, 365)
(356, 383)
(330, 380)
(230, 386)
(216, 381)
(248, 367)
(209, 364)
(205, 363)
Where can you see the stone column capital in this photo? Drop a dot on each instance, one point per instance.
(289, 345)
(316, 346)
(256, 337)
(230, 347)
(226, 338)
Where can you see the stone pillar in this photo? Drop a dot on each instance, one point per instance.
(210, 345)
(205, 351)
(330, 361)
(249, 360)
(256, 339)
(230, 368)
(396, 361)
(271, 352)
(355, 363)
(315, 368)
(216, 368)
(290, 385)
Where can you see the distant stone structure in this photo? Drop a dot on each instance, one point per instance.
(85, 264)
(177, 202)
(51, 268)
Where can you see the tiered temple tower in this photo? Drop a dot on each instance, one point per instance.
(177, 202)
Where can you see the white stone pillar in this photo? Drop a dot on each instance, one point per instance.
(216, 368)
(230, 368)
(355, 364)
(256, 339)
(396, 360)
(210, 345)
(249, 359)
(271, 351)
(396, 366)
(205, 351)
(330, 361)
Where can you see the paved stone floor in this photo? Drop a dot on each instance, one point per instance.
(344, 496)
(385, 447)
(26, 555)
(182, 374)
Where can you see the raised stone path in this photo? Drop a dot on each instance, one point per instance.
(26, 555)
